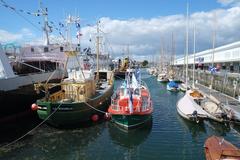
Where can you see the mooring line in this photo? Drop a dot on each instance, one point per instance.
(95, 108)
(18, 139)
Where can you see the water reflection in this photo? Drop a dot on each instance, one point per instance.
(52, 143)
(216, 128)
(235, 127)
(130, 138)
(196, 129)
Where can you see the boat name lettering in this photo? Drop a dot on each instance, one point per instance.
(65, 108)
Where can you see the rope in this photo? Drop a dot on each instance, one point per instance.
(95, 108)
(18, 139)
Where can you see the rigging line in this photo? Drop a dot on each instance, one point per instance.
(29, 21)
(22, 16)
(16, 140)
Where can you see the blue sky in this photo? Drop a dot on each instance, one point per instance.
(90, 10)
(128, 17)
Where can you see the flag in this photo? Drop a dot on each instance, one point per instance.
(134, 82)
(79, 34)
(212, 69)
(137, 74)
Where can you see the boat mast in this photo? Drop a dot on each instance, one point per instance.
(162, 54)
(187, 23)
(213, 49)
(69, 21)
(97, 51)
(173, 51)
(46, 28)
(194, 51)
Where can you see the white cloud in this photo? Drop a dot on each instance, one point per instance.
(7, 36)
(23, 34)
(144, 35)
(229, 2)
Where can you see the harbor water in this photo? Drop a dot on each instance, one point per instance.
(167, 136)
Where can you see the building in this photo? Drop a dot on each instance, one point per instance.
(226, 58)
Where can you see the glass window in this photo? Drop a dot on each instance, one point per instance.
(45, 49)
(61, 49)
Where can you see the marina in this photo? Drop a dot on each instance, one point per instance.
(96, 85)
(166, 131)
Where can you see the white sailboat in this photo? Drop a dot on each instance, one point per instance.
(211, 105)
(188, 106)
(196, 105)
(162, 75)
(184, 86)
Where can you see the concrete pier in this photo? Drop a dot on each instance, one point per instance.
(225, 89)
(225, 82)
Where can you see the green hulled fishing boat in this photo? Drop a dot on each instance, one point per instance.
(84, 95)
(81, 97)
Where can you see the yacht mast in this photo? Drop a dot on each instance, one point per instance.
(187, 23)
(194, 51)
(213, 49)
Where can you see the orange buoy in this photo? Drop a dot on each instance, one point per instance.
(34, 107)
(95, 118)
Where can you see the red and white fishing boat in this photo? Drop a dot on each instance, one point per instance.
(131, 104)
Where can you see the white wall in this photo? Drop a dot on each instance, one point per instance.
(226, 53)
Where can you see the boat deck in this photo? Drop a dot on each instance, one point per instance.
(229, 102)
(103, 88)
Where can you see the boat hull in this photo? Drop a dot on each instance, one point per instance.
(163, 80)
(131, 121)
(172, 89)
(218, 148)
(186, 109)
(74, 113)
(17, 103)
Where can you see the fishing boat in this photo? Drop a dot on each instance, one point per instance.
(131, 104)
(23, 65)
(123, 66)
(84, 95)
(219, 148)
(172, 86)
(78, 100)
